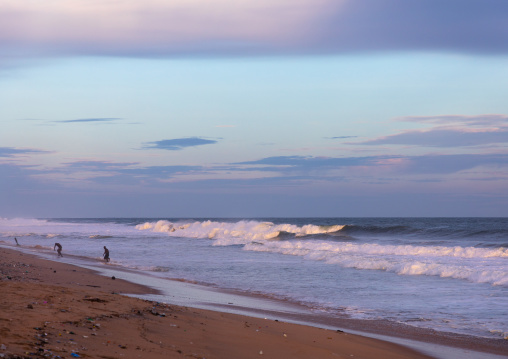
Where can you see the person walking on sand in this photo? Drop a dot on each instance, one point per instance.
(59, 250)
(106, 254)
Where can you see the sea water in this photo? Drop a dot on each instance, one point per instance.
(446, 274)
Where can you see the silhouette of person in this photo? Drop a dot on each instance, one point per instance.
(59, 250)
(16, 241)
(106, 254)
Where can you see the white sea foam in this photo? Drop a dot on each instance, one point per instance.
(287, 247)
(457, 262)
(22, 222)
(241, 232)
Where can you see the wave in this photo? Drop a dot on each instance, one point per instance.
(68, 229)
(397, 229)
(441, 229)
(22, 222)
(467, 263)
(240, 232)
(319, 243)
(99, 236)
(426, 233)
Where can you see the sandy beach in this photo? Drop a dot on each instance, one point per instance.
(56, 310)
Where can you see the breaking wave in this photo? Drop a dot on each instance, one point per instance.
(479, 265)
(241, 232)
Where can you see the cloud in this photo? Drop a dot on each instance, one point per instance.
(127, 168)
(178, 143)
(161, 171)
(98, 183)
(461, 120)
(446, 164)
(15, 177)
(10, 151)
(402, 165)
(442, 138)
(450, 131)
(150, 176)
(155, 28)
(468, 26)
(97, 165)
(81, 120)
(309, 162)
(339, 137)
(127, 175)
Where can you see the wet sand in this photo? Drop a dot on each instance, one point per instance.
(53, 309)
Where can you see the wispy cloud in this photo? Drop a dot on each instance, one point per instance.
(10, 151)
(442, 138)
(450, 131)
(478, 120)
(84, 120)
(309, 162)
(97, 165)
(446, 164)
(402, 165)
(124, 173)
(339, 137)
(179, 143)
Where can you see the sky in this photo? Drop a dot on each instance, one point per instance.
(253, 108)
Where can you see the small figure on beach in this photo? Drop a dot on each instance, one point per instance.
(15, 239)
(59, 250)
(106, 254)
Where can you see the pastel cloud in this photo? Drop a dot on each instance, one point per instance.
(179, 143)
(288, 171)
(84, 120)
(469, 26)
(97, 165)
(309, 162)
(16, 177)
(402, 165)
(155, 27)
(491, 120)
(246, 27)
(10, 151)
(443, 138)
(450, 131)
(446, 164)
(339, 137)
(129, 173)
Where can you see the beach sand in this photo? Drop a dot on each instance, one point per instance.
(56, 310)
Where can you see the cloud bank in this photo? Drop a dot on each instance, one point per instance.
(154, 28)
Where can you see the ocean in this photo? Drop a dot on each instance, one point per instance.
(446, 274)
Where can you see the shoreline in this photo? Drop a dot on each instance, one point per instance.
(426, 338)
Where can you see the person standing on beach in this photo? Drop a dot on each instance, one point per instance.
(106, 254)
(59, 250)
(16, 241)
